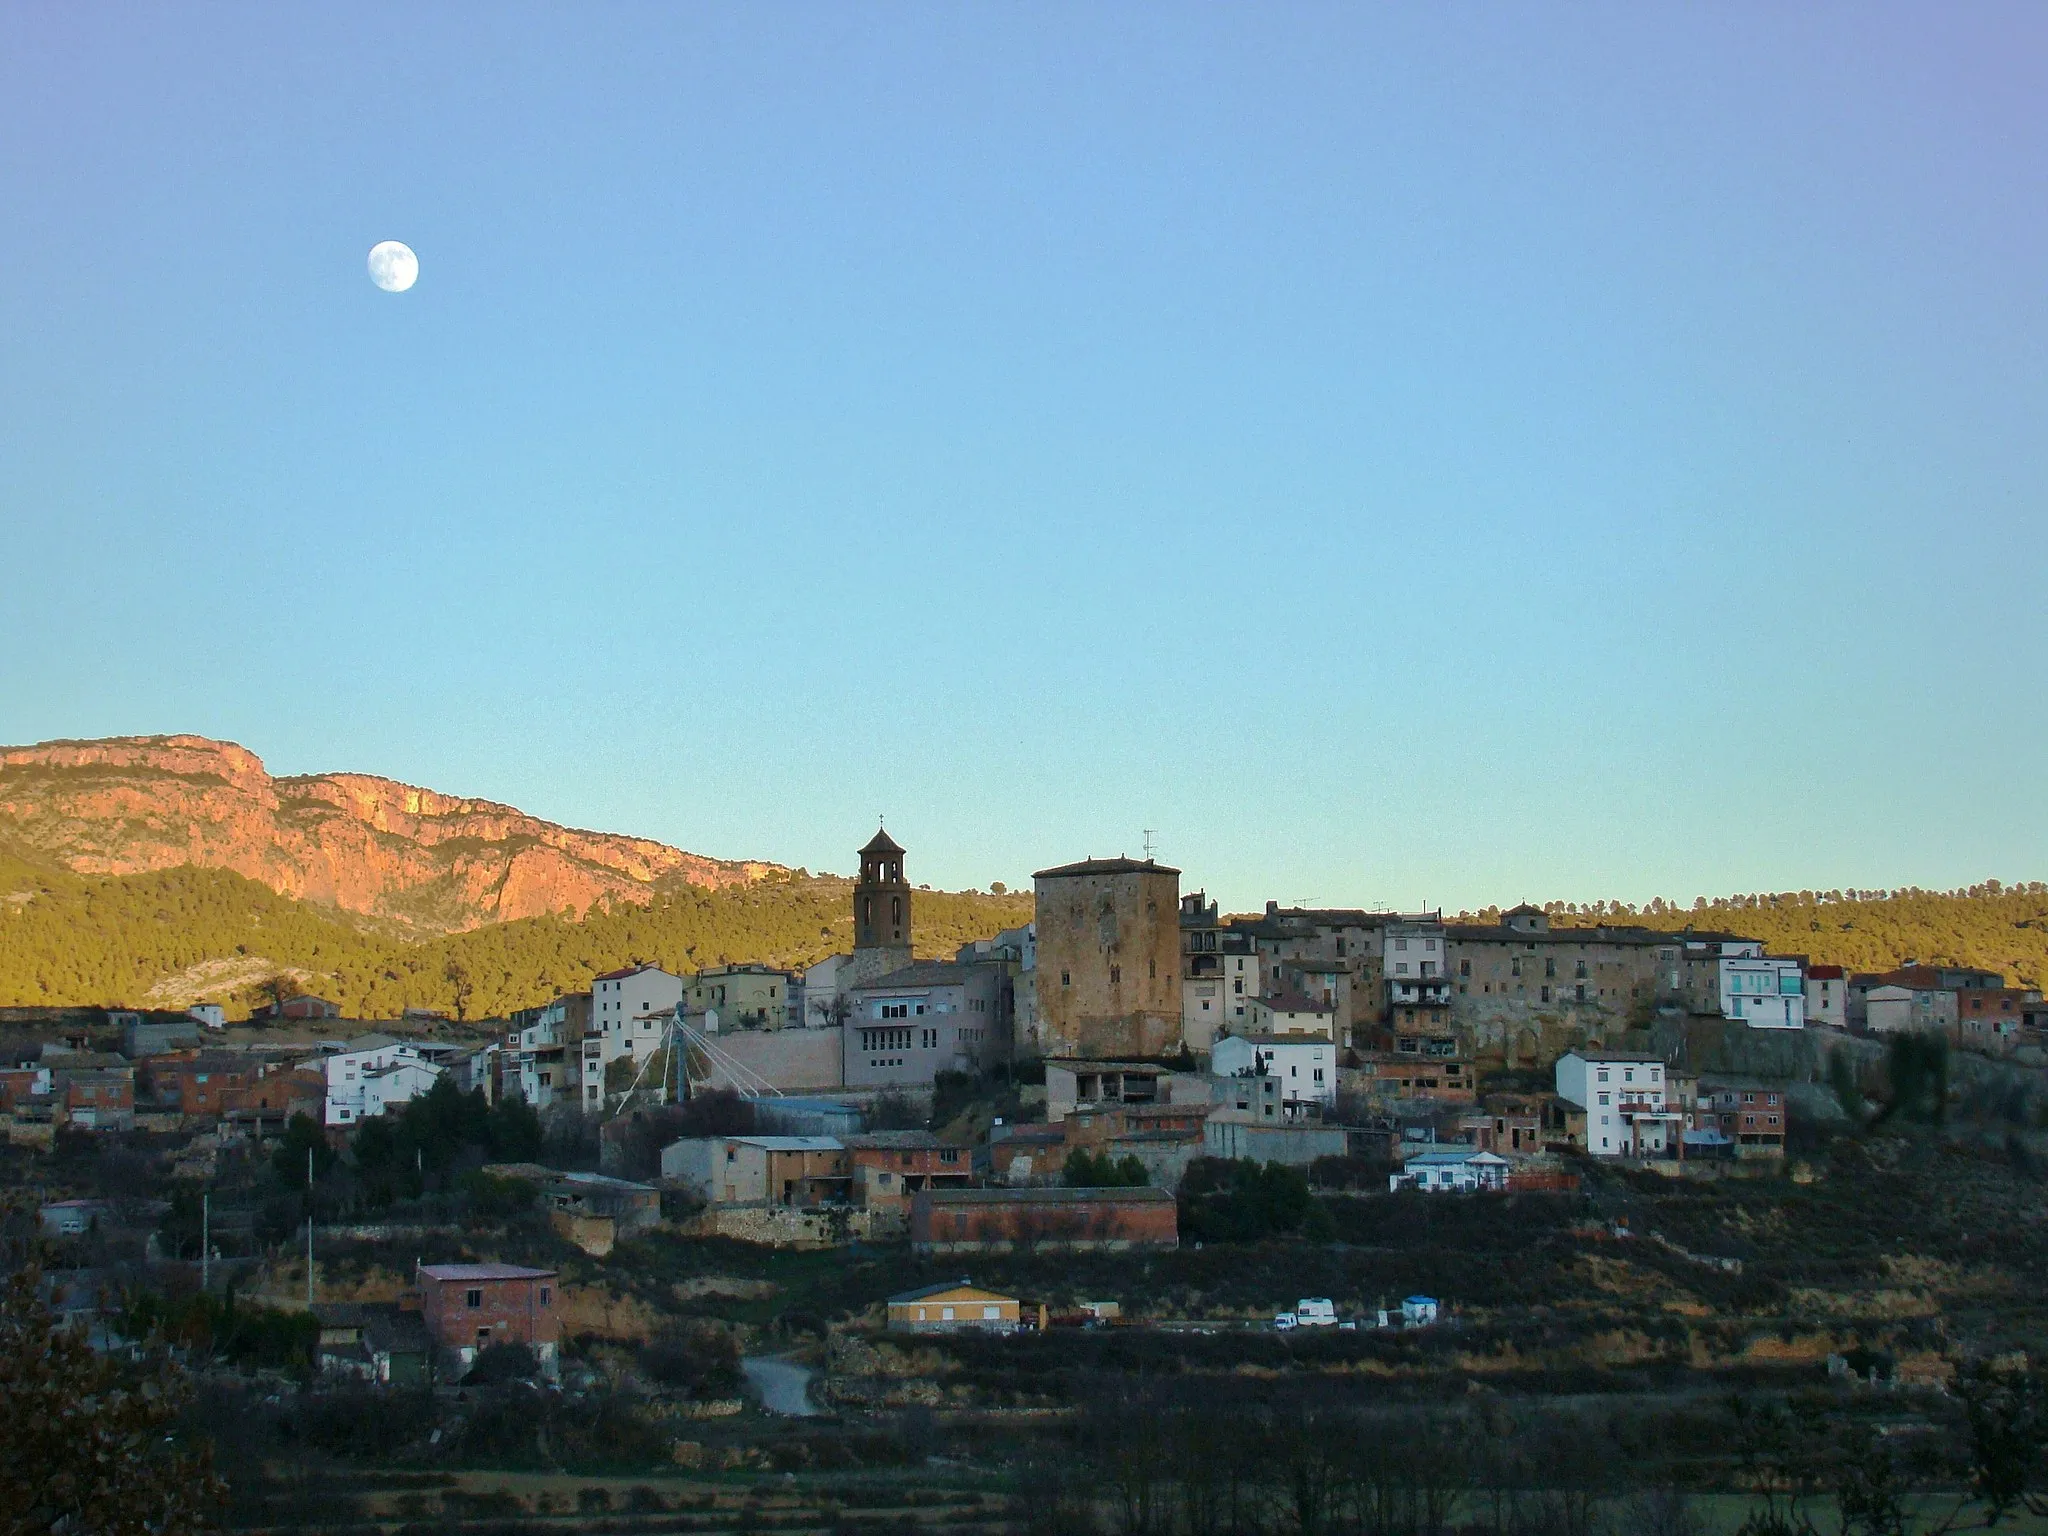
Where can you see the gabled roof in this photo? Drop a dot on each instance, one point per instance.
(631, 970)
(950, 1288)
(1116, 866)
(882, 842)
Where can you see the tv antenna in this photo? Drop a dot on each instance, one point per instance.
(1150, 834)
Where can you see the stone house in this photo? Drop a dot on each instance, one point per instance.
(761, 1170)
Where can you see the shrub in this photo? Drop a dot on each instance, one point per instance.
(699, 1358)
(502, 1362)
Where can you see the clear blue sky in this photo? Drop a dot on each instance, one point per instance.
(1401, 453)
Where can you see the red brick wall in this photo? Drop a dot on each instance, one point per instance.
(511, 1310)
(1144, 1223)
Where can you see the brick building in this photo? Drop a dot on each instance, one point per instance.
(468, 1307)
(891, 1166)
(1072, 1220)
(96, 1099)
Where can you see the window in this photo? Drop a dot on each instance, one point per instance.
(1550, 967)
(473, 1299)
(1464, 967)
(1515, 966)
(1546, 994)
(1116, 975)
(1065, 979)
(547, 1296)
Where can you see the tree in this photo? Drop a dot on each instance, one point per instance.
(90, 1444)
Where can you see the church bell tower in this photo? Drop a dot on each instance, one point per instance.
(881, 899)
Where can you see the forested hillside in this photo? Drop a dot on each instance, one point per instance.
(174, 936)
(1998, 927)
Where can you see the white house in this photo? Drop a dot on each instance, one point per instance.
(1413, 949)
(371, 1073)
(1305, 1064)
(630, 1012)
(1292, 1013)
(1623, 1095)
(212, 1015)
(1452, 1168)
(1762, 991)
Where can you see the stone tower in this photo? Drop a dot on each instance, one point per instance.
(881, 911)
(1108, 958)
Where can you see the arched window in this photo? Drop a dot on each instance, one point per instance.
(896, 909)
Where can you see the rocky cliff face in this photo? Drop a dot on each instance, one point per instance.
(437, 862)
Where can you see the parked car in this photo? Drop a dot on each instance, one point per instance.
(1284, 1321)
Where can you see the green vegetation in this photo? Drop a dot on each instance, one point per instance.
(1993, 926)
(90, 1441)
(1086, 1171)
(76, 939)
(235, 1332)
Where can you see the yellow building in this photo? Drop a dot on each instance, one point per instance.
(943, 1308)
(741, 997)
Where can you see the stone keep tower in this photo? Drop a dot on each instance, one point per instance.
(881, 911)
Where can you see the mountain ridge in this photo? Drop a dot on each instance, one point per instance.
(427, 860)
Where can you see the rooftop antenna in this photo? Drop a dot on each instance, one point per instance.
(1150, 833)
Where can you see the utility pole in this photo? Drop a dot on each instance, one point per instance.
(205, 1237)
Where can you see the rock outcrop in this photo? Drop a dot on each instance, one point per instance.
(440, 863)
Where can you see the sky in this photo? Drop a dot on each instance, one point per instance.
(1406, 454)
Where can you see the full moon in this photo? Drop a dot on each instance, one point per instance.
(393, 267)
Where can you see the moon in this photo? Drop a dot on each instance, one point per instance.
(393, 267)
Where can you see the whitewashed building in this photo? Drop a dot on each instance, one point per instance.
(630, 1012)
(1304, 1064)
(1760, 990)
(373, 1072)
(1624, 1096)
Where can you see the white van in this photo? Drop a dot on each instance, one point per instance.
(1283, 1321)
(1316, 1312)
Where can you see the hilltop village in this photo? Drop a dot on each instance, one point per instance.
(1527, 1152)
